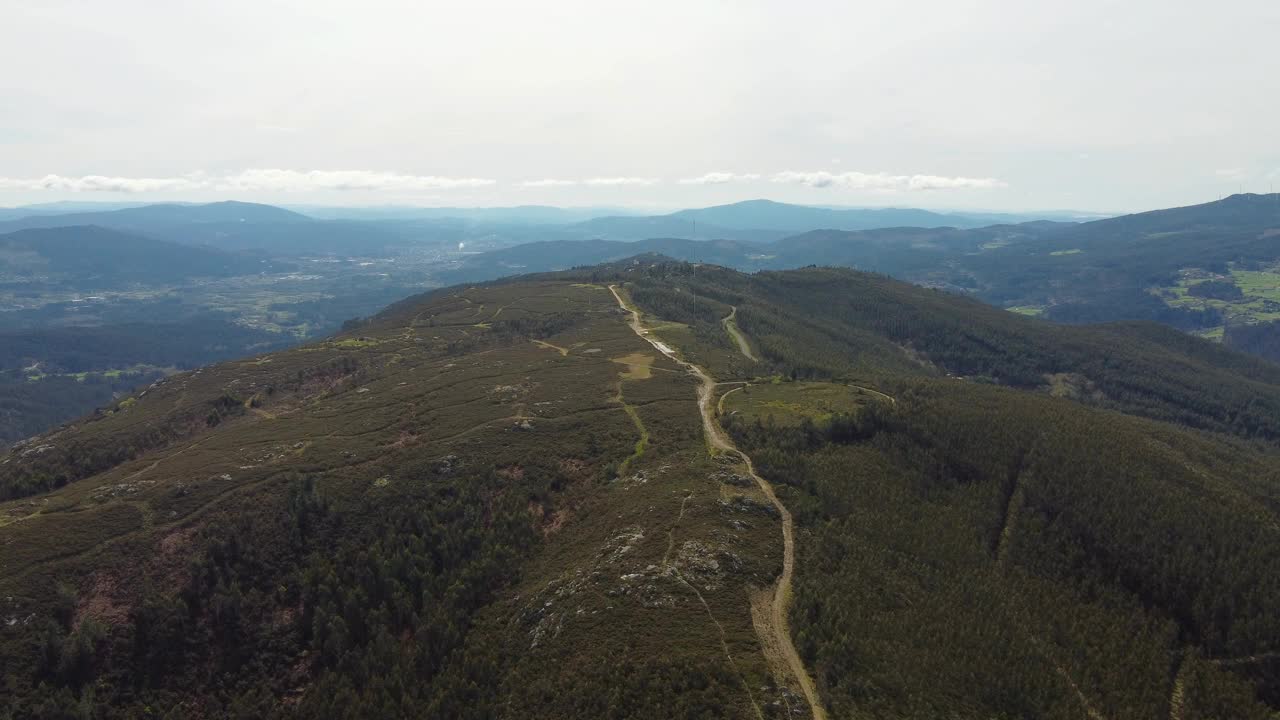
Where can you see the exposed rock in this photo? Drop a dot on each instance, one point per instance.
(744, 504)
(37, 450)
(732, 478)
(448, 465)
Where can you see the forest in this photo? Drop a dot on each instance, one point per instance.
(972, 537)
(1261, 339)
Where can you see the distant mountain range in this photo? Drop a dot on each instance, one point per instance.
(764, 221)
(520, 214)
(894, 251)
(162, 213)
(1234, 228)
(318, 229)
(64, 207)
(1134, 267)
(770, 215)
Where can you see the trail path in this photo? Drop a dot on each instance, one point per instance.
(731, 327)
(720, 402)
(717, 438)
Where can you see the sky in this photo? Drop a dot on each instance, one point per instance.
(1054, 104)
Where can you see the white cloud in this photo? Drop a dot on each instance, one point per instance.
(1230, 173)
(594, 182)
(103, 183)
(937, 182)
(613, 181)
(254, 180)
(884, 181)
(719, 178)
(548, 182)
(272, 179)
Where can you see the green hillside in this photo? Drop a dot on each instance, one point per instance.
(518, 499)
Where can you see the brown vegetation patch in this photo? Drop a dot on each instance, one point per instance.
(407, 437)
(553, 522)
(639, 366)
(574, 468)
(1074, 386)
(101, 603)
(176, 540)
(284, 617)
(511, 472)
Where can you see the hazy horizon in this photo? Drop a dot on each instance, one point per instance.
(91, 203)
(1092, 106)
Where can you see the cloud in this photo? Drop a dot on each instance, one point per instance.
(256, 180)
(271, 179)
(548, 182)
(613, 181)
(1230, 173)
(594, 182)
(719, 178)
(885, 181)
(103, 183)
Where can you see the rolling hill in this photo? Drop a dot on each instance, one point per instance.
(653, 489)
(230, 226)
(87, 258)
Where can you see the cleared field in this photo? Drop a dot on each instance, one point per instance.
(1258, 284)
(1261, 301)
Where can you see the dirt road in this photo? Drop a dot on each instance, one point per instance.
(731, 327)
(717, 438)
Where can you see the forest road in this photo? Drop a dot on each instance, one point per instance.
(717, 438)
(731, 326)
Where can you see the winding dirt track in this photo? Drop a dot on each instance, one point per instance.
(731, 326)
(719, 440)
